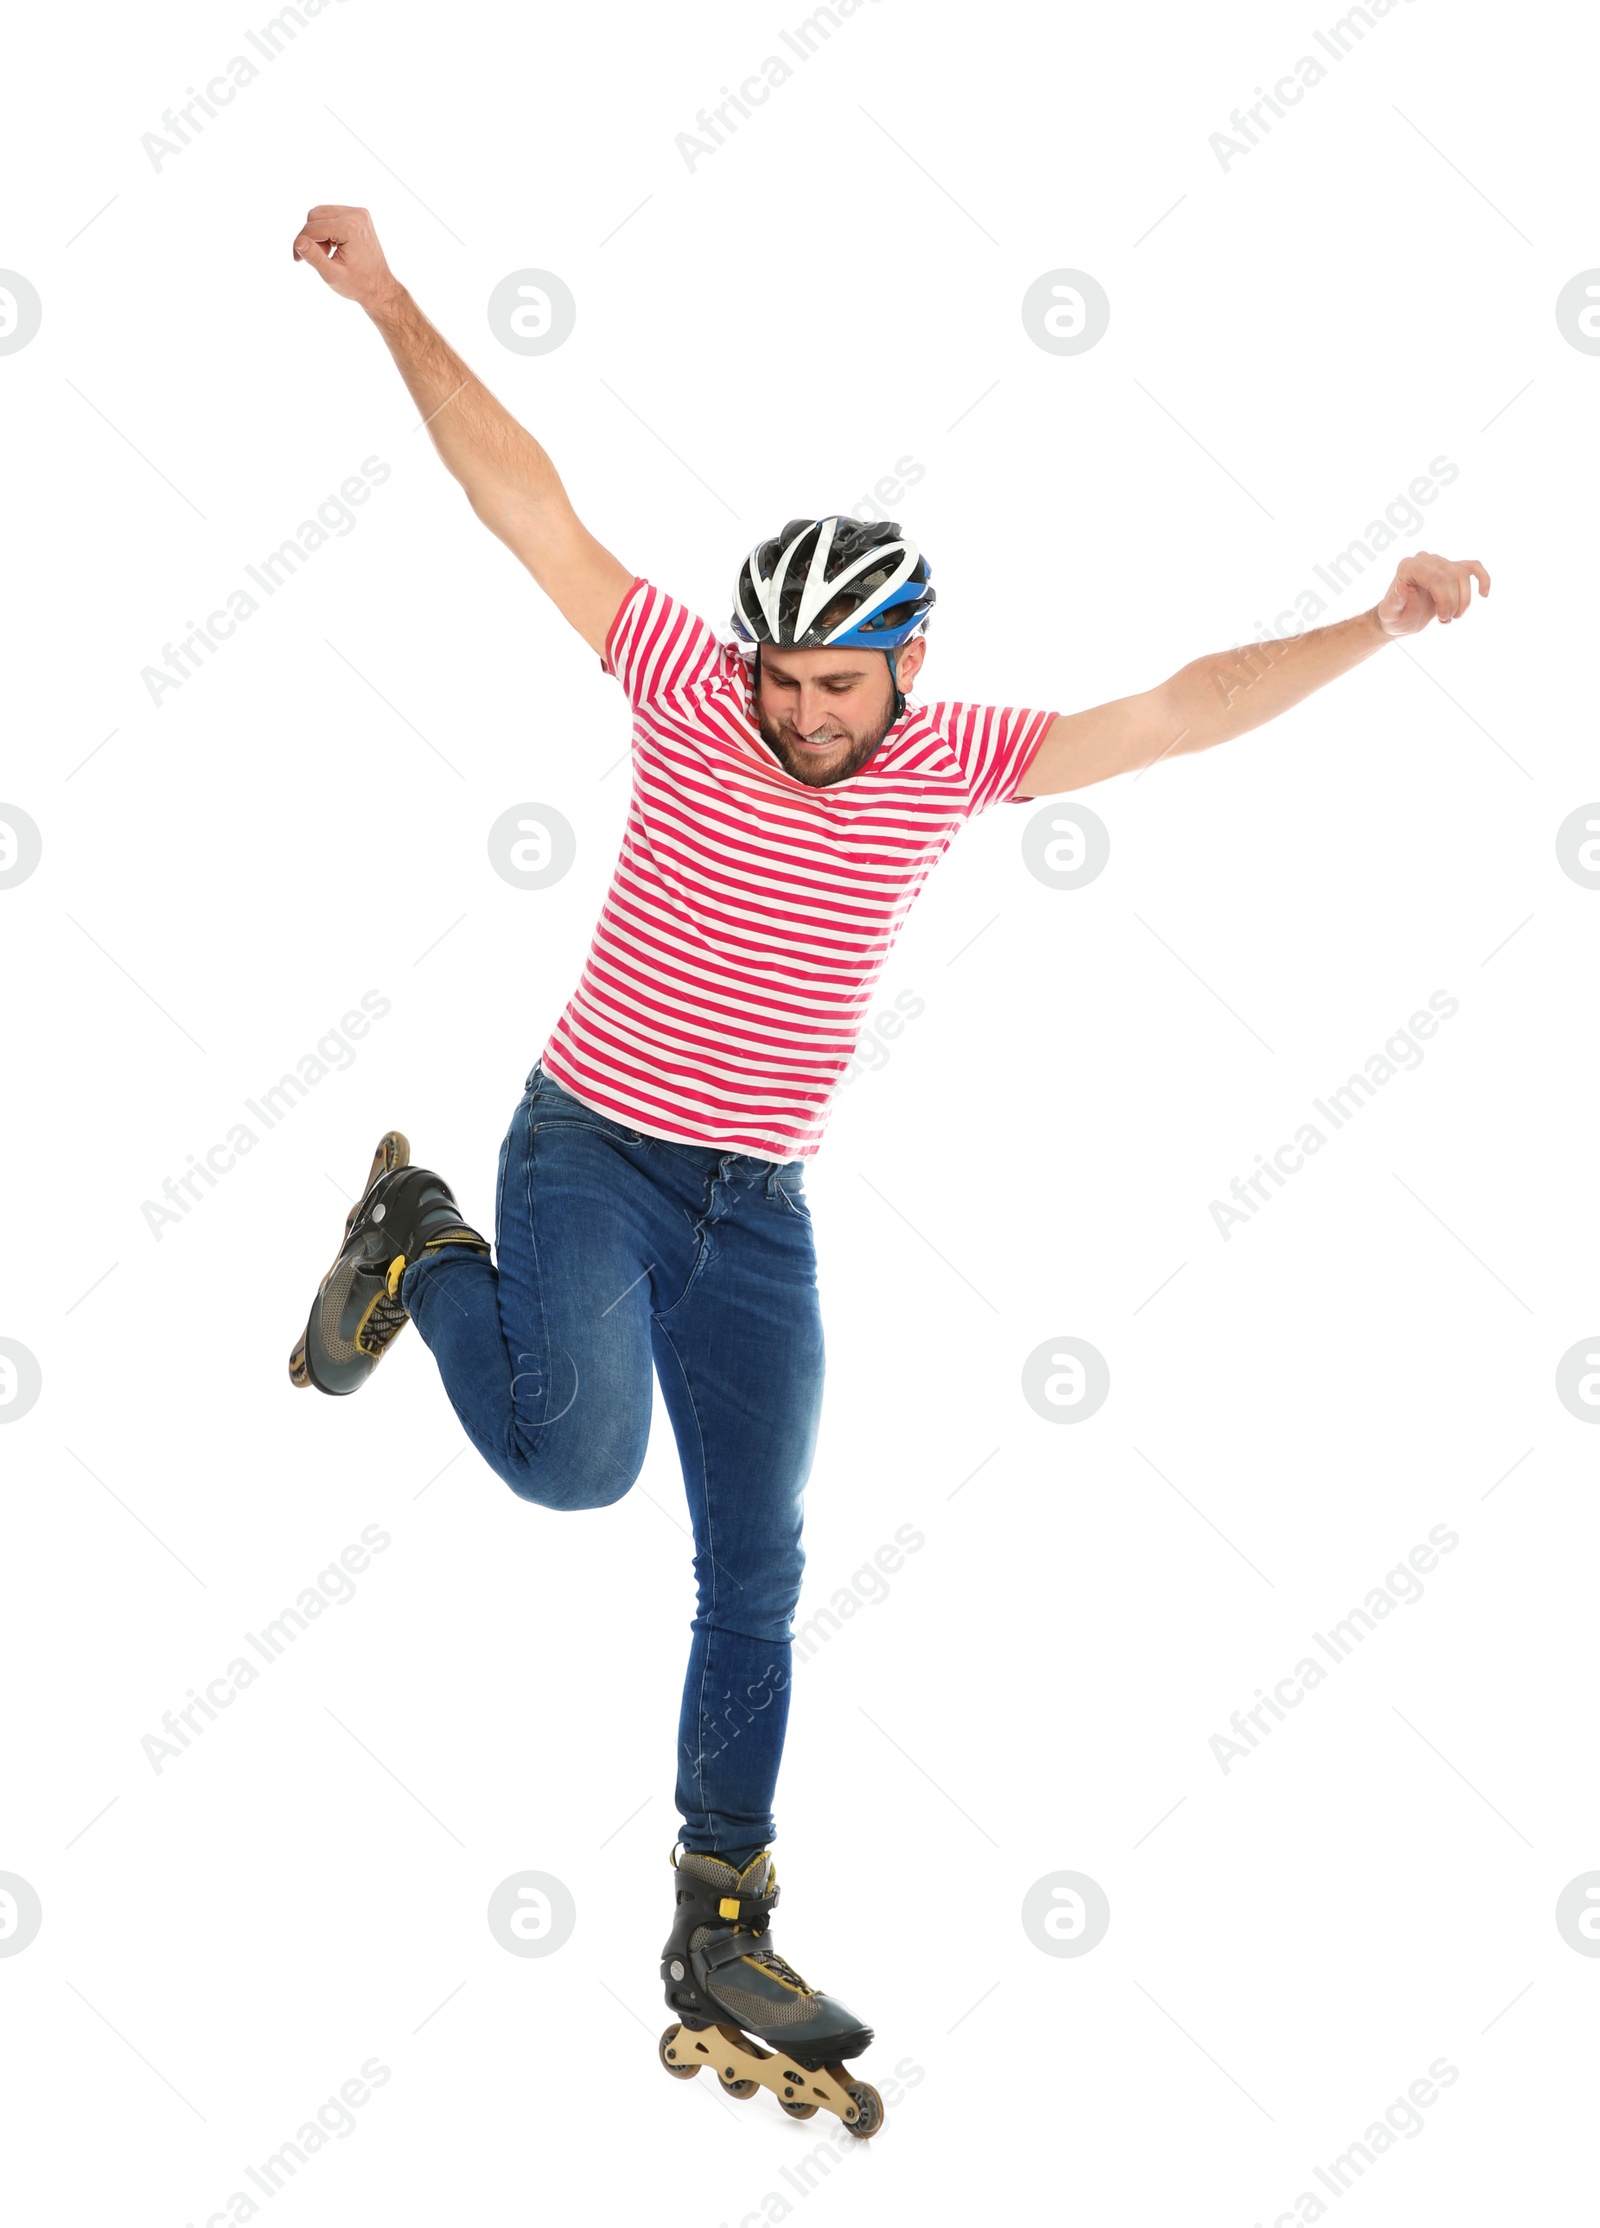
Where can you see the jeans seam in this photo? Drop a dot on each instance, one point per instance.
(616, 1131)
(532, 1452)
(705, 1486)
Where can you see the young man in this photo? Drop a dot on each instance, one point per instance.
(651, 1208)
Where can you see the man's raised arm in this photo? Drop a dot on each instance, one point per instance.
(1219, 697)
(509, 481)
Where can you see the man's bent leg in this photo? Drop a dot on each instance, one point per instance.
(546, 1355)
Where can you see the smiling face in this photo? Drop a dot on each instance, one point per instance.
(824, 712)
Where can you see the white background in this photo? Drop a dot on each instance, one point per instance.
(1296, 1940)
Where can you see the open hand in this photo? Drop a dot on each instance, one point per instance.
(1427, 587)
(342, 248)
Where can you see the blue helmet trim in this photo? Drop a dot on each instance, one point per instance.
(879, 638)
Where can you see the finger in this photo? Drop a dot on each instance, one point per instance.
(333, 227)
(1440, 580)
(1478, 574)
(308, 248)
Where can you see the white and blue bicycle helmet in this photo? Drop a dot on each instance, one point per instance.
(831, 584)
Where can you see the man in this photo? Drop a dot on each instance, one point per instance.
(651, 1207)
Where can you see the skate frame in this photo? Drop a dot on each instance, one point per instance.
(734, 2057)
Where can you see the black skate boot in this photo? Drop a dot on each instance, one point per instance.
(357, 1314)
(723, 1975)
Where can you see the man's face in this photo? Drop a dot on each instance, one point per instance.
(824, 712)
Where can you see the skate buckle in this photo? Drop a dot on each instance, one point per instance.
(397, 1269)
(728, 1908)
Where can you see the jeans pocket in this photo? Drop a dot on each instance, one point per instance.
(787, 1182)
(553, 1104)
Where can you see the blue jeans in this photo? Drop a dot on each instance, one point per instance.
(616, 1250)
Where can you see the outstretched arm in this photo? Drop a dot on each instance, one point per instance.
(509, 481)
(1219, 697)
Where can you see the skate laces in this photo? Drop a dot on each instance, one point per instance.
(768, 1961)
(757, 1879)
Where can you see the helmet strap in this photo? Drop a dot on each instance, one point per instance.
(894, 683)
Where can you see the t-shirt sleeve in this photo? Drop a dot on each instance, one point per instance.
(656, 648)
(994, 748)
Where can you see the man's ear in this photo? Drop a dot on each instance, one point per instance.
(908, 661)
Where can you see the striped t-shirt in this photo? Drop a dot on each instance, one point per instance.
(750, 915)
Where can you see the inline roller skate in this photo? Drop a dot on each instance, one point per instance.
(402, 1213)
(733, 1994)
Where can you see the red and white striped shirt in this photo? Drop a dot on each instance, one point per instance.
(750, 915)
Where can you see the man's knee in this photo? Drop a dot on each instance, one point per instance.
(590, 1473)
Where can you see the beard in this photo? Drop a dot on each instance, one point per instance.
(779, 740)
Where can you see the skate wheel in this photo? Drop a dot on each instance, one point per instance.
(679, 2071)
(798, 2111)
(736, 2088)
(868, 2103)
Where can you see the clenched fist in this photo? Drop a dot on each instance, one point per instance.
(1427, 587)
(342, 248)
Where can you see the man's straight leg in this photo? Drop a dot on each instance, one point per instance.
(739, 1357)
